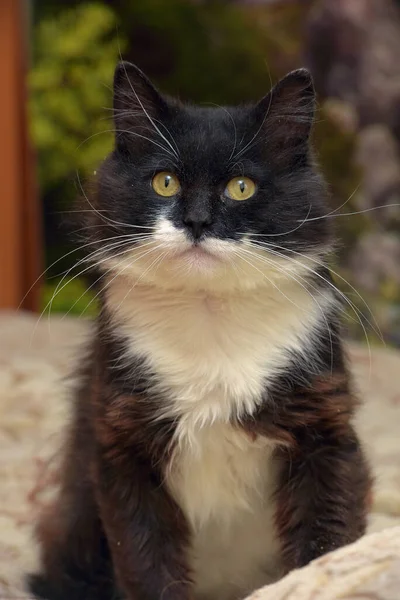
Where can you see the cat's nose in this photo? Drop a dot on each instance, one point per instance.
(197, 223)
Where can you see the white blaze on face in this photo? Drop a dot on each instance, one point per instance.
(171, 237)
(171, 260)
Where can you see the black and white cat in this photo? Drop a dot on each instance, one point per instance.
(212, 447)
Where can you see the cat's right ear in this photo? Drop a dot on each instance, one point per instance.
(287, 115)
(136, 100)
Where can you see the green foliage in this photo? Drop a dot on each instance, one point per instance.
(68, 296)
(74, 58)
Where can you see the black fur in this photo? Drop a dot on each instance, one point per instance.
(267, 141)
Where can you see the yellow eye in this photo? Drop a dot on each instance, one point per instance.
(166, 184)
(240, 188)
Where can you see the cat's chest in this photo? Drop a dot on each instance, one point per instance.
(224, 481)
(220, 471)
(214, 356)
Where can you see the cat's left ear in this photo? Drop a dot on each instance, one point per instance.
(288, 111)
(136, 100)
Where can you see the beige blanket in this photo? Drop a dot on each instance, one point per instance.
(33, 408)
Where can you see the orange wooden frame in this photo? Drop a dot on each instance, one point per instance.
(20, 218)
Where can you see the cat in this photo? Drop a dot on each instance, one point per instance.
(211, 448)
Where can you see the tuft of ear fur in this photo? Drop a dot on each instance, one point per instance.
(136, 101)
(288, 114)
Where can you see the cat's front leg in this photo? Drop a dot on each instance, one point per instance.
(323, 498)
(146, 530)
(324, 485)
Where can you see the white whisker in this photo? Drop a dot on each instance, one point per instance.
(58, 289)
(377, 331)
(291, 276)
(357, 212)
(286, 232)
(147, 270)
(63, 257)
(101, 276)
(103, 218)
(148, 116)
(130, 132)
(354, 308)
(118, 273)
(249, 144)
(266, 277)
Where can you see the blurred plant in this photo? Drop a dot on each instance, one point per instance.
(74, 298)
(74, 57)
(75, 52)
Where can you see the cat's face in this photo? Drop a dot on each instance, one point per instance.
(210, 197)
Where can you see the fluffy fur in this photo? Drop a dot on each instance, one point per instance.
(212, 447)
(213, 354)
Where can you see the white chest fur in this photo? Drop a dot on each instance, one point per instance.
(225, 484)
(214, 356)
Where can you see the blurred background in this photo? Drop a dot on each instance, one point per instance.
(56, 64)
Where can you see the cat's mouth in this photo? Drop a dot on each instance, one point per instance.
(198, 255)
(188, 256)
(195, 250)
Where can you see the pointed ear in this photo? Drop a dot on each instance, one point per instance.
(136, 100)
(288, 114)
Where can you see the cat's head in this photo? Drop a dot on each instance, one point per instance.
(210, 197)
